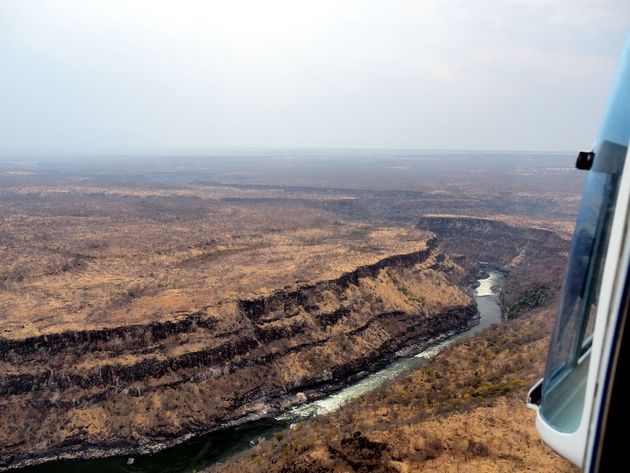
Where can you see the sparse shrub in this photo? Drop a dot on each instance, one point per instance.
(531, 299)
(433, 447)
(478, 449)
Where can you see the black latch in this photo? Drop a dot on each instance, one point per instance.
(585, 160)
(534, 396)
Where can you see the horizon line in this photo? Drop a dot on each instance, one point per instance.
(240, 151)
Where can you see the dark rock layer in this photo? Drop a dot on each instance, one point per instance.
(139, 388)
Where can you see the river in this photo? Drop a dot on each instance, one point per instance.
(205, 451)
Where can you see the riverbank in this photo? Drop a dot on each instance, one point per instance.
(176, 455)
(463, 410)
(137, 389)
(204, 451)
(486, 297)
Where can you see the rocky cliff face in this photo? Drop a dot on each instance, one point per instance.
(493, 241)
(142, 387)
(525, 252)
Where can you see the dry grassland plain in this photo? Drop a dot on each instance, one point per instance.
(144, 300)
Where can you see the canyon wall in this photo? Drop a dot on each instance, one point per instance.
(139, 388)
(529, 255)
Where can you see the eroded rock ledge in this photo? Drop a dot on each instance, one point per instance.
(139, 388)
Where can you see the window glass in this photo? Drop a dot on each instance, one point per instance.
(567, 362)
(569, 354)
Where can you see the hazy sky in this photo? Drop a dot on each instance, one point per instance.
(431, 74)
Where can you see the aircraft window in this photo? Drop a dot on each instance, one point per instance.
(564, 385)
(567, 363)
